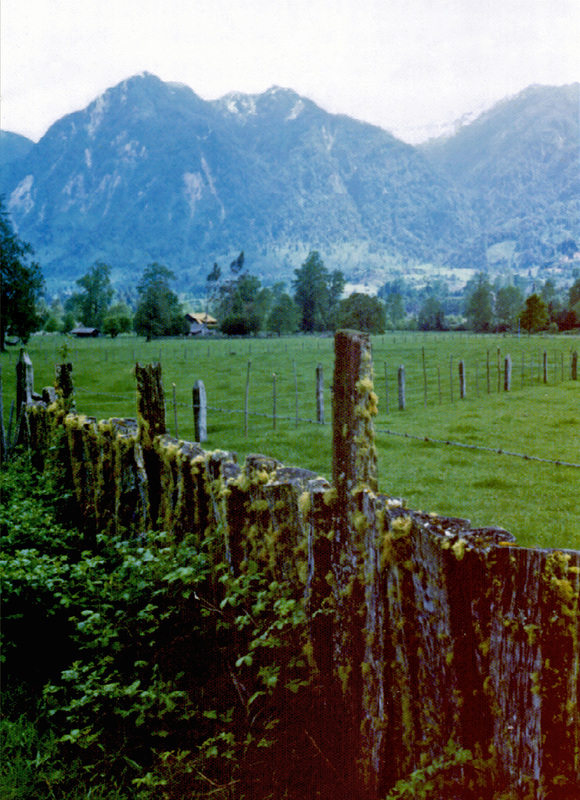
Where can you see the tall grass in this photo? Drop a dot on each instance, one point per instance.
(537, 501)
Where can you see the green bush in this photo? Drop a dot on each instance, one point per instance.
(163, 674)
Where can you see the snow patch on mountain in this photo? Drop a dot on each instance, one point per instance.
(21, 198)
(97, 113)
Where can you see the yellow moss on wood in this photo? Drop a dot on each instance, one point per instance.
(304, 503)
(459, 549)
(401, 526)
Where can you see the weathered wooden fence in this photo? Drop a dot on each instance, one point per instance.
(437, 632)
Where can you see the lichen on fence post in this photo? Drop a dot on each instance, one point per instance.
(354, 469)
(354, 404)
(151, 423)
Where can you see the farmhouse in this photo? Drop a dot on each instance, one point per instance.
(200, 323)
(82, 332)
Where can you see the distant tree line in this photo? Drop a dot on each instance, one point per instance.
(243, 306)
(482, 306)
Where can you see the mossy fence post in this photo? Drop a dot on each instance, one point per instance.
(354, 473)
(151, 423)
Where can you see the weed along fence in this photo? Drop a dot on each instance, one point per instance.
(429, 638)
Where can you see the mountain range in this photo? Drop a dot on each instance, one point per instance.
(150, 171)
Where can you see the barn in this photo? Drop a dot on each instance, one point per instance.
(82, 332)
(200, 323)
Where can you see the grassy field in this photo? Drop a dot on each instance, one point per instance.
(538, 502)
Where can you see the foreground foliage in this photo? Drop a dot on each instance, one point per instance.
(154, 672)
(21, 283)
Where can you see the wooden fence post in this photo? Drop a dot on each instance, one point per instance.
(175, 411)
(574, 366)
(401, 382)
(199, 411)
(462, 380)
(545, 366)
(451, 377)
(247, 401)
(424, 379)
(150, 424)
(24, 380)
(296, 389)
(507, 378)
(487, 373)
(320, 395)
(353, 407)
(150, 403)
(354, 469)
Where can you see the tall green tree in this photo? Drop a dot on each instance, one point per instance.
(508, 305)
(395, 309)
(317, 292)
(363, 312)
(118, 319)
(431, 316)
(284, 316)
(21, 283)
(534, 317)
(479, 309)
(242, 302)
(213, 281)
(574, 293)
(95, 298)
(158, 312)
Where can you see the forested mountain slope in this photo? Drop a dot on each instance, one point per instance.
(149, 171)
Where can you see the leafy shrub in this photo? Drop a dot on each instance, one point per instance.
(240, 325)
(165, 675)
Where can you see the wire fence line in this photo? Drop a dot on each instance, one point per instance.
(431, 365)
(387, 432)
(276, 380)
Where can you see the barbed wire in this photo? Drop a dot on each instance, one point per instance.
(495, 450)
(386, 432)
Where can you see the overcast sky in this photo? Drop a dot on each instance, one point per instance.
(406, 65)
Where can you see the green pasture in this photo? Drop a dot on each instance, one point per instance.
(538, 502)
